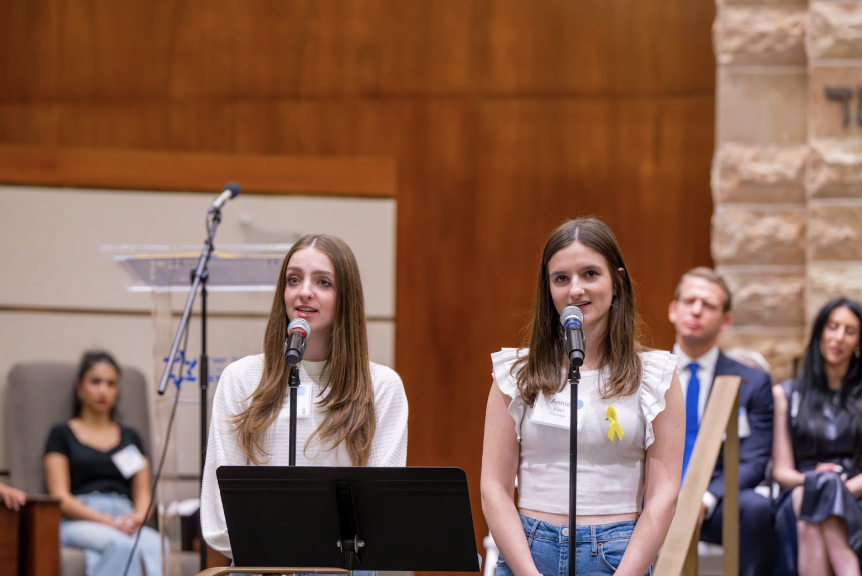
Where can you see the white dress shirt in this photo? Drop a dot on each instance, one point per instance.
(705, 374)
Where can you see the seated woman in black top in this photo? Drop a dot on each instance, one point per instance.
(817, 450)
(98, 470)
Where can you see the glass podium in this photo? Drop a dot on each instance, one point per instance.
(165, 271)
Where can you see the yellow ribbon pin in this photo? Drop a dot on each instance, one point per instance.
(614, 427)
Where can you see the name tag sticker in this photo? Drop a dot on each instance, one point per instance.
(581, 414)
(744, 429)
(303, 403)
(556, 410)
(129, 461)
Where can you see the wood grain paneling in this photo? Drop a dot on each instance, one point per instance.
(40, 536)
(10, 535)
(144, 170)
(502, 117)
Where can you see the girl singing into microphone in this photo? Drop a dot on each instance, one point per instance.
(630, 419)
(355, 413)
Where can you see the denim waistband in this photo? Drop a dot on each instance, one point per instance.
(589, 534)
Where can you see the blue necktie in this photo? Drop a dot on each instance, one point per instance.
(692, 423)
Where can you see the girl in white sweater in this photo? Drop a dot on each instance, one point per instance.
(352, 412)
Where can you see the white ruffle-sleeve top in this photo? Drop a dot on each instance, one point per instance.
(611, 444)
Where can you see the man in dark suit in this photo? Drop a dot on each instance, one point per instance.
(700, 311)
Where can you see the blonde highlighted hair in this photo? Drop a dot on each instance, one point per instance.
(709, 275)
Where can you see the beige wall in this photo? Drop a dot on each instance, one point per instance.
(61, 295)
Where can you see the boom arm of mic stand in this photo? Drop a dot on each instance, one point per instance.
(193, 291)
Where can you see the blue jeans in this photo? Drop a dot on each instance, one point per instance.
(598, 549)
(107, 549)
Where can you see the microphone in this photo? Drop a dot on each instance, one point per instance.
(572, 320)
(231, 190)
(294, 345)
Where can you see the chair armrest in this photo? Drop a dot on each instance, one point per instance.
(40, 536)
(9, 539)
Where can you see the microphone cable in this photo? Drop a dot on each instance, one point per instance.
(212, 220)
(157, 476)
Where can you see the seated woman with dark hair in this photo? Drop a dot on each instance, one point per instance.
(98, 470)
(817, 450)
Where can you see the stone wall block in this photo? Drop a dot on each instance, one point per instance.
(773, 300)
(744, 236)
(762, 107)
(779, 349)
(826, 280)
(835, 169)
(834, 30)
(769, 174)
(834, 232)
(829, 117)
(757, 35)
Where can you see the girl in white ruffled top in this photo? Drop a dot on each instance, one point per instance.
(631, 424)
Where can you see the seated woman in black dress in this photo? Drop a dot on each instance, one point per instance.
(817, 450)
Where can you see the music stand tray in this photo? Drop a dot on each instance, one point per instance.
(400, 519)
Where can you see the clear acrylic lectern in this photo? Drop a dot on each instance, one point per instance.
(164, 271)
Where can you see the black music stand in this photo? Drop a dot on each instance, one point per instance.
(351, 518)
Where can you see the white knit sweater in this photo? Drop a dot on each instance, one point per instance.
(233, 395)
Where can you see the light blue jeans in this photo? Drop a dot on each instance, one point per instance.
(598, 549)
(107, 549)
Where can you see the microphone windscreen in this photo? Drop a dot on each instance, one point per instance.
(571, 313)
(233, 187)
(300, 323)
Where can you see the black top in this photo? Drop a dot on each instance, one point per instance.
(92, 470)
(835, 440)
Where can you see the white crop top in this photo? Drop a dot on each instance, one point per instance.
(610, 475)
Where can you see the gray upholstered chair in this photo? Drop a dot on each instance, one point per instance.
(41, 394)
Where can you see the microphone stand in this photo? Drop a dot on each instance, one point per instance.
(293, 383)
(574, 380)
(199, 278)
(204, 378)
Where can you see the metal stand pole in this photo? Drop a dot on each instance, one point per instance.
(574, 380)
(204, 378)
(293, 383)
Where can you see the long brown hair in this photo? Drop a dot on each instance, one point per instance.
(543, 368)
(348, 397)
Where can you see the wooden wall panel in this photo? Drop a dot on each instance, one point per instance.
(183, 171)
(503, 117)
(10, 539)
(616, 46)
